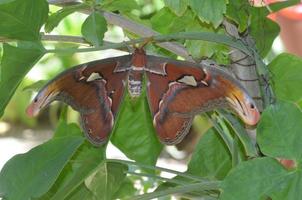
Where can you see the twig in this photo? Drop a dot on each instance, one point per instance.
(64, 38)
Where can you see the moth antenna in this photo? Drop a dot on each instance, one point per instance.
(145, 42)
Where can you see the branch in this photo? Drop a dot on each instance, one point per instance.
(64, 38)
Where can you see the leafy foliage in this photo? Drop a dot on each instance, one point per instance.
(23, 19)
(67, 167)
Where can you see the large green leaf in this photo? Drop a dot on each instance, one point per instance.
(107, 181)
(209, 11)
(94, 28)
(177, 6)
(211, 158)
(286, 72)
(23, 19)
(15, 63)
(33, 173)
(134, 133)
(54, 19)
(279, 133)
(82, 164)
(254, 180)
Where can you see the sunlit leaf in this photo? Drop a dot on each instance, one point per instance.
(15, 63)
(94, 28)
(33, 173)
(23, 19)
(134, 133)
(107, 181)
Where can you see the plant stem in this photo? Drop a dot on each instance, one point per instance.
(185, 175)
(214, 185)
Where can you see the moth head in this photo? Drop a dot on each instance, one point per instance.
(41, 100)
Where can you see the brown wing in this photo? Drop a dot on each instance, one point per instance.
(163, 89)
(94, 89)
(177, 91)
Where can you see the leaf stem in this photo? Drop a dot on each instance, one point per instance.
(213, 185)
(185, 175)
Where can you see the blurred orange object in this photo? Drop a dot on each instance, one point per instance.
(290, 22)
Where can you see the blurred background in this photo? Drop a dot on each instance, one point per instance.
(19, 133)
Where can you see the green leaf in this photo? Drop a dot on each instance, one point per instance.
(286, 70)
(209, 11)
(84, 163)
(119, 5)
(134, 133)
(254, 179)
(35, 86)
(15, 63)
(54, 19)
(171, 22)
(33, 173)
(263, 30)
(107, 181)
(23, 19)
(94, 28)
(237, 10)
(279, 132)
(177, 6)
(211, 157)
